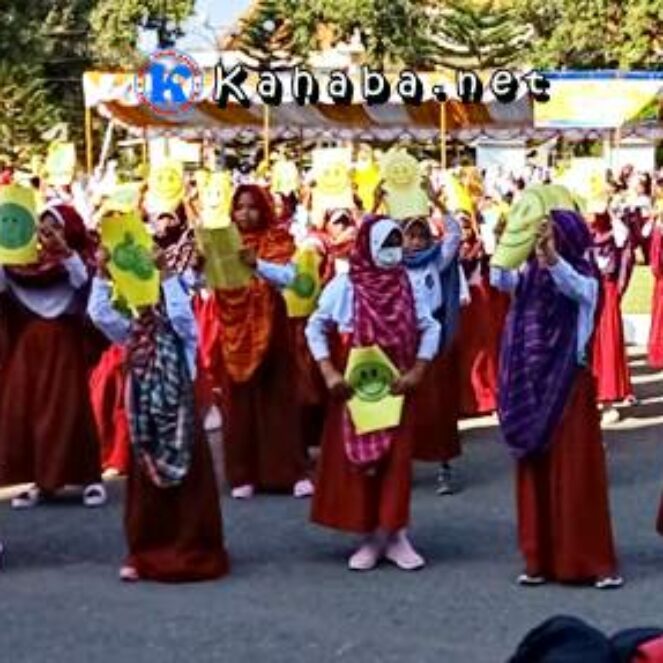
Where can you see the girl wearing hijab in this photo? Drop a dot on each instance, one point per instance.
(364, 480)
(655, 345)
(262, 437)
(333, 242)
(172, 516)
(480, 326)
(614, 257)
(547, 411)
(47, 432)
(434, 270)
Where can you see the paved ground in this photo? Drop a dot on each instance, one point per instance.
(290, 599)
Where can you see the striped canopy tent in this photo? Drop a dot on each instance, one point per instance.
(114, 96)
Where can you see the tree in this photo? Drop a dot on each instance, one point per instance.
(26, 111)
(114, 26)
(595, 34)
(477, 35)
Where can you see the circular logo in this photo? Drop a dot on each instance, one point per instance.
(170, 83)
(371, 381)
(17, 226)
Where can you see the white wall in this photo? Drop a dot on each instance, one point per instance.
(510, 155)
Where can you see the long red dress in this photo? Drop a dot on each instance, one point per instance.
(176, 534)
(480, 329)
(261, 431)
(564, 525)
(107, 391)
(47, 430)
(435, 405)
(610, 361)
(348, 498)
(655, 346)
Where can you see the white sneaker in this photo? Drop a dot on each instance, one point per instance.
(244, 492)
(610, 582)
(94, 495)
(303, 488)
(401, 553)
(526, 580)
(129, 574)
(366, 557)
(610, 416)
(27, 499)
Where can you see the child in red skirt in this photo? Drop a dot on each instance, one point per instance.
(364, 480)
(547, 410)
(614, 258)
(47, 430)
(172, 511)
(434, 270)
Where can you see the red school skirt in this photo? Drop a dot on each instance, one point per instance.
(564, 525)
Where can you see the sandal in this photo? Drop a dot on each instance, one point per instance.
(27, 499)
(129, 574)
(94, 495)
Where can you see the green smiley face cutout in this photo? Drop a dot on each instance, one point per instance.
(133, 258)
(17, 226)
(303, 285)
(371, 381)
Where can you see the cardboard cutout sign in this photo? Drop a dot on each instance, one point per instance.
(285, 177)
(18, 225)
(402, 183)
(165, 189)
(301, 297)
(60, 163)
(123, 198)
(457, 196)
(367, 178)
(223, 267)
(524, 220)
(132, 267)
(333, 184)
(370, 373)
(215, 192)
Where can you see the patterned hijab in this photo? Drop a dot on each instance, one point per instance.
(384, 315)
(247, 314)
(538, 361)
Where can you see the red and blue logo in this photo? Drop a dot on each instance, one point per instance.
(170, 83)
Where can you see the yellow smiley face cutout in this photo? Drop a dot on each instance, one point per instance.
(165, 186)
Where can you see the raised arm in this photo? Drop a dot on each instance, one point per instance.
(450, 242)
(100, 309)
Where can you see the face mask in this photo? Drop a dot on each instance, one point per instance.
(389, 256)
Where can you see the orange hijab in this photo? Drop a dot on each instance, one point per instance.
(247, 314)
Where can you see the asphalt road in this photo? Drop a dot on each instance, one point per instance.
(290, 598)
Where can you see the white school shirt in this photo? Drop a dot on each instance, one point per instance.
(336, 307)
(50, 301)
(582, 289)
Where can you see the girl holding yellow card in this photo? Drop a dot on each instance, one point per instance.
(47, 431)
(263, 450)
(172, 516)
(364, 479)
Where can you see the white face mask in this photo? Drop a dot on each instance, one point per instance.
(388, 257)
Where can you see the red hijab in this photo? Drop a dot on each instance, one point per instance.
(384, 315)
(248, 314)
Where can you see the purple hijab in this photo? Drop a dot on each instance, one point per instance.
(538, 361)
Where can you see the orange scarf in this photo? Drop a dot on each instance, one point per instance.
(247, 314)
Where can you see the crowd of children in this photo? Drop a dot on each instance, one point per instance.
(87, 386)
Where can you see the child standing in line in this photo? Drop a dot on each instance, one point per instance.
(172, 514)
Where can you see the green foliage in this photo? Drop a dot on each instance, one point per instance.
(114, 26)
(26, 111)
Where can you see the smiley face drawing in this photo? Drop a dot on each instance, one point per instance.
(371, 380)
(333, 178)
(134, 258)
(304, 285)
(165, 187)
(400, 170)
(17, 226)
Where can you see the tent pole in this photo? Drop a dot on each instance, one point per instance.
(443, 136)
(88, 140)
(266, 134)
